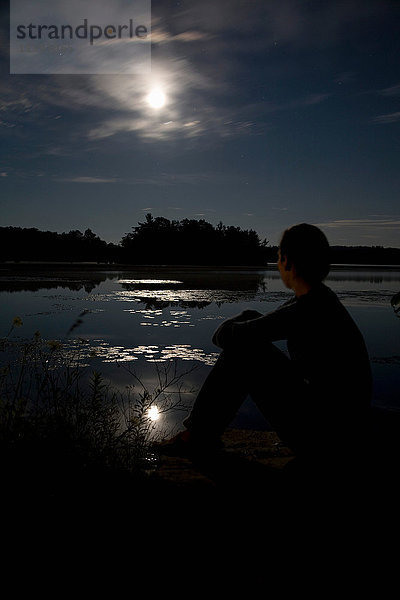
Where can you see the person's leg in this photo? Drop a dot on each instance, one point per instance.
(282, 396)
(220, 397)
(265, 373)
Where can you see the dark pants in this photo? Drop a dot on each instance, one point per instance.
(269, 377)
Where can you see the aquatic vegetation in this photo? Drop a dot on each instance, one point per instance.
(54, 411)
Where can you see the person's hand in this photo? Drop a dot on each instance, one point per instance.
(223, 336)
(249, 314)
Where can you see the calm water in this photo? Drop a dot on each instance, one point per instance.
(139, 320)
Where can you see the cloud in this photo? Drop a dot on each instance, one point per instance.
(162, 180)
(87, 180)
(345, 77)
(160, 36)
(312, 99)
(376, 231)
(146, 128)
(390, 118)
(176, 119)
(204, 99)
(394, 90)
(7, 124)
(302, 102)
(388, 223)
(16, 103)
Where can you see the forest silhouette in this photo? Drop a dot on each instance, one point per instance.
(160, 241)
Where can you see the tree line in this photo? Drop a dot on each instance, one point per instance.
(31, 244)
(158, 241)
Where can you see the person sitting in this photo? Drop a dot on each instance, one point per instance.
(318, 396)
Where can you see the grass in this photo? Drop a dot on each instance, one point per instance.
(64, 427)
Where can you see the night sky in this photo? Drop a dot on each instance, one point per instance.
(276, 112)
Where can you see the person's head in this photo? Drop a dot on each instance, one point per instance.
(304, 253)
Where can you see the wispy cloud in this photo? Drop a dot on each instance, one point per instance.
(394, 90)
(389, 223)
(7, 124)
(376, 231)
(221, 121)
(160, 35)
(389, 118)
(87, 180)
(198, 81)
(162, 179)
(195, 88)
(15, 103)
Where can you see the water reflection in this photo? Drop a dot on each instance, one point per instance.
(193, 289)
(156, 305)
(378, 298)
(367, 277)
(146, 282)
(153, 413)
(159, 315)
(190, 289)
(233, 280)
(34, 285)
(35, 279)
(182, 317)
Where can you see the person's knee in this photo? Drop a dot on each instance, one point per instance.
(248, 315)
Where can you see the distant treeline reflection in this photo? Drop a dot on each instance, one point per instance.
(161, 241)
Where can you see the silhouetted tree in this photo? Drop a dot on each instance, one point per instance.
(159, 240)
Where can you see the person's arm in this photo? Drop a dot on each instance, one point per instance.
(223, 334)
(270, 327)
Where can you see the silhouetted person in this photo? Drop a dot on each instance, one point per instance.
(318, 398)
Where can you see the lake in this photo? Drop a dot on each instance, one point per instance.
(136, 322)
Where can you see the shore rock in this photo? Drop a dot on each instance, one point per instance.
(248, 456)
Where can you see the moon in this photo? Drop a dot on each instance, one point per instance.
(156, 98)
(153, 413)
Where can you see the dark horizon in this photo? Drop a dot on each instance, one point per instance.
(158, 241)
(87, 227)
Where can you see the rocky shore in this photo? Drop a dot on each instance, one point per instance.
(247, 456)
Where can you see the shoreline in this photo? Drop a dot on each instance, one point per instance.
(92, 266)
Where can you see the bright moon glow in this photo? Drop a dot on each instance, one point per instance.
(156, 98)
(153, 413)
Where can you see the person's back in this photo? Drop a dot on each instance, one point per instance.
(328, 349)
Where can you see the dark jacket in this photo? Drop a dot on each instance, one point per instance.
(323, 341)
